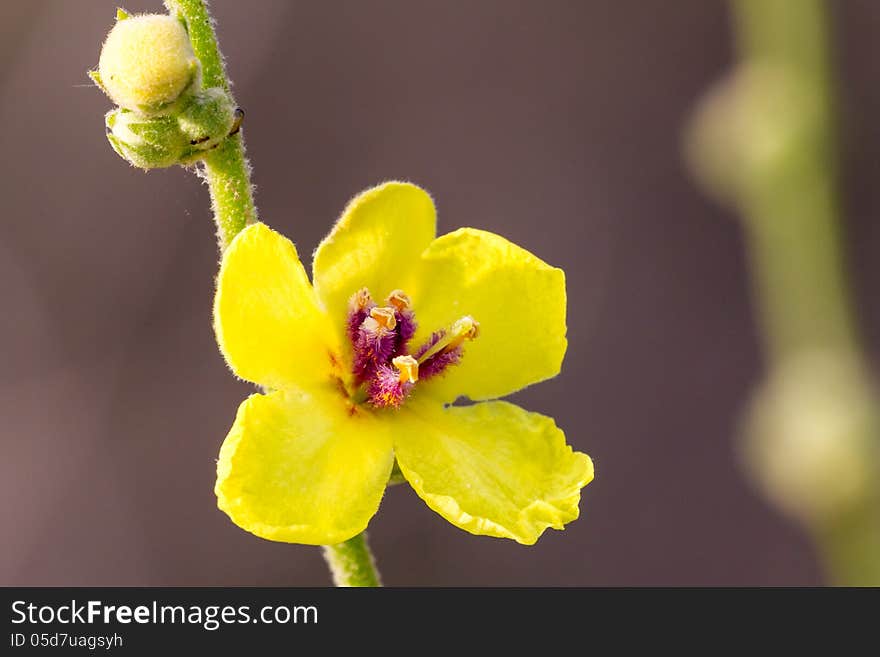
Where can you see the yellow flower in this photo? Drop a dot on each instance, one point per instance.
(357, 384)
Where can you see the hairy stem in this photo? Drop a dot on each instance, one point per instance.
(226, 169)
(352, 563)
(227, 173)
(203, 38)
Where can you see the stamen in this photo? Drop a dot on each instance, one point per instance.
(374, 342)
(360, 301)
(384, 369)
(359, 306)
(387, 388)
(466, 328)
(406, 321)
(399, 300)
(408, 368)
(381, 320)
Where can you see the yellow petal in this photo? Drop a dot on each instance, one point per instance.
(491, 468)
(266, 316)
(298, 467)
(517, 299)
(375, 244)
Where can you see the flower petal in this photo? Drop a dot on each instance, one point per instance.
(375, 244)
(518, 300)
(491, 468)
(266, 316)
(299, 467)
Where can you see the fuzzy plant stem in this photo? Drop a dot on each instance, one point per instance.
(227, 173)
(226, 170)
(352, 563)
(793, 233)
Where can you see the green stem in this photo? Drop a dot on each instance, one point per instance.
(226, 168)
(792, 211)
(793, 228)
(352, 563)
(203, 38)
(851, 545)
(227, 173)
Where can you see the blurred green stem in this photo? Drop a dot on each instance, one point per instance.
(228, 175)
(226, 169)
(792, 224)
(791, 214)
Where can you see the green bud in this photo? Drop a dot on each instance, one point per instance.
(165, 118)
(147, 63)
(146, 142)
(154, 142)
(209, 118)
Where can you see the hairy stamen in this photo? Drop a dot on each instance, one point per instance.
(406, 321)
(384, 370)
(359, 306)
(388, 388)
(374, 342)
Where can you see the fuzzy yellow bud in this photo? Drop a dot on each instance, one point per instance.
(147, 63)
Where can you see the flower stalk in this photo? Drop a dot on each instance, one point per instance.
(226, 169)
(352, 563)
(227, 173)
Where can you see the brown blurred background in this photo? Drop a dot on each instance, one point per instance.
(557, 124)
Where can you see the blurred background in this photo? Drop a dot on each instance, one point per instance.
(558, 124)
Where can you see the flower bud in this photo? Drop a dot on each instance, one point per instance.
(749, 133)
(147, 142)
(810, 437)
(207, 119)
(147, 63)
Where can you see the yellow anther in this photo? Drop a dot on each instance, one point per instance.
(408, 368)
(384, 316)
(380, 321)
(466, 328)
(360, 300)
(399, 300)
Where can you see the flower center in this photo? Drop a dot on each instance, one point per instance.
(385, 371)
